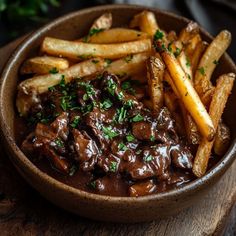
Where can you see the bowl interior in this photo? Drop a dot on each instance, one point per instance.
(76, 25)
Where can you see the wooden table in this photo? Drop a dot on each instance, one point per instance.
(24, 212)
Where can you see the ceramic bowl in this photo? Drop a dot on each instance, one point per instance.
(105, 208)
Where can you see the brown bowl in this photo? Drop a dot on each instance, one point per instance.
(105, 208)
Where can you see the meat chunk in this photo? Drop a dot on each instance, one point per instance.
(142, 188)
(143, 130)
(86, 149)
(109, 163)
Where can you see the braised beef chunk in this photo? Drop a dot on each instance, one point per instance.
(101, 129)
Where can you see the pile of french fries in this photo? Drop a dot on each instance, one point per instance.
(176, 68)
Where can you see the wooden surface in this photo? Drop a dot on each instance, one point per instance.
(24, 212)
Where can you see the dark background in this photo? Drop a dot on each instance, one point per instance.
(213, 15)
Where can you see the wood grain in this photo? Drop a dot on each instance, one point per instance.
(24, 212)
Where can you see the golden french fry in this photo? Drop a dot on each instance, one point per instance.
(223, 89)
(43, 65)
(102, 22)
(188, 32)
(189, 96)
(155, 73)
(185, 63)
(192, 45)
(146, 21)
(80, 50)
(133, 65)
(29, 89)
(117, 35)
(222, 139)
(168, 79)
(195, 58)
(208, 63)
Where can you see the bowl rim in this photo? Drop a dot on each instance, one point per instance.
(192, 186)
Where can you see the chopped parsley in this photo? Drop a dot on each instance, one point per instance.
(111, 87)
(113, 166)
(148, 158)
(137, 118)
(120, 95)
(216, 62)
(169, 47)
(129, 103)
(109, 133)
(94, 31)
(128, 58)
(85, 56)
(121, 114)
(158, 35)
(92, 185)
(188, 64)
(59, 142)
(108, 61)
(189, 77)
(130, 138)
(75, 122)
(54, 70)
(62, 83)
(64, 104)
(177, 52)
(138, 151)
(122, 147)
(51, 89)
(201, 70)
(72, 170)
(95, 61)
(126, 85)
(106, 104)
(152, 138)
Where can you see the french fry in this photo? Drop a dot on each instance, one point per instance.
(188, 32)
(208, 63)
(29, 89)
(222, 139)
(155, 73)
(80, 50)
(43, 65)
(103, 22)
(146, 21)
(185, 63)
(125, 68)
(192, 45)
(189, 96)
(223, 89)
(168, 79)
(117, 35)
(198, 52)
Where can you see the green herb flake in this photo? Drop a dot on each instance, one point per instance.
(109, 133)
(72, 170)
(62, 83)
(122, 147)
(126, 85)
(148, 158)
(158, 35)
(201, 70)
(129, 103)
(108, 61)
(130, 138)
(64, 104)
(51, 89)
(216, 62)
(121, 114)
(189, 77)
(111, 87)
(169, 47)
(54, 70)
(152, 138)
(188, 64)
(128, 58)
(113, 166)
(177, 52)
(85, 56)
(94, 31)
(92, 184)
(106, 104)
(138, 152)
(95, 61)
(137, 118)
(59, 142)
(75, 122)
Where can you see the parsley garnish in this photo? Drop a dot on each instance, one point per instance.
(121, 113)
(95, 61)
(75, 122)
(129, 103)
(158, 35)
(201, 70)
(54, 70)
(106, 104)
(72, 170)
(137, 118)
(120, 95)
(111, 87)
(122, 147)
(64, 104)
(85, 56)
(108, 61)
(59, 142)
(188, 64)
(169, 47)
(152, 138)
(177, 52)
(92, 185)
(126, 85)
(109, 133)
(216, 62)
(94, 31)
(62, 83)
(130, 138)
(52, 89)
(128, 58)
(138, 151)
(148, 158)
(113, 166)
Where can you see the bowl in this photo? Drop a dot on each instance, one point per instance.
(105, 208)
